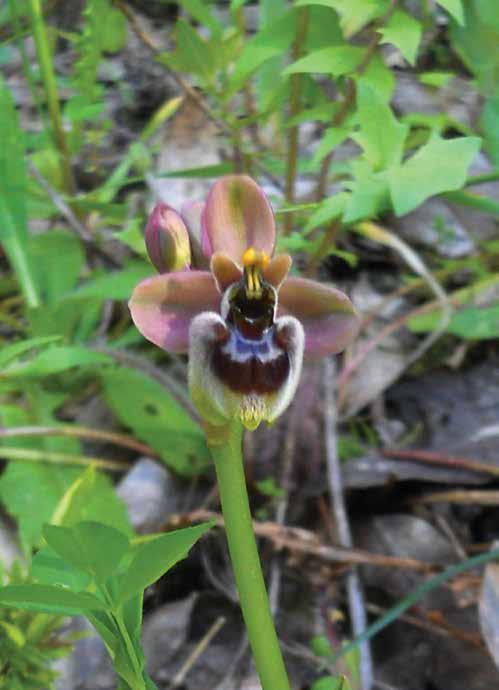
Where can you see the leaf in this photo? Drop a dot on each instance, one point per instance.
(92, 497)
(92, 547)
(489, 122)
(369, 195)
(50, 599)
(10, 352)
(157, 556)
(54, 278)
(355, 14)
(116, 285)
(273, 40)
(404, 32)
(30, 491)
(329, 210)
(48, 568)
(13, 192)
(381, 135)
(379, 77)
(476, 41)
(331, 138)
(200, 12)
(469, 323)
(55, 360)
(454, 8)
(332, 683)
(192, 54)
(335, 60)
(148, 409)
(438, 166)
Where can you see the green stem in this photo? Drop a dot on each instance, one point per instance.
(45, 61)
(246, 562)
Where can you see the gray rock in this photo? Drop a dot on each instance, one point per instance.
(151, 494)
(9, 546)
(436, 225)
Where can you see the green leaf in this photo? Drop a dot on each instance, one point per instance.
(13, 192)
(53, 277)
(200, 12)
(331, 138)
(92, 497)
(273, 40)
(439, 166)
(157, 556)
(54, 360)
(115, 285)
(476, 43)
(404, 32)
(48, 568)
(10, 352)
(379, 77)
(92, 547)
(332, 683)
(489, 122)
(30, 491)
(454, 8)
(192, 54)
(369, 195)
(330, 209)
(470, 323)
(355, 14)
(50, 599)
(381, 135)
(202, 172)
(335, 60)
(148, 409)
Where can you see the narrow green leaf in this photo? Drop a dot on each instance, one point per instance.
(13, 192)
(10, 352)
(200, 12)
(335, 60)
(54, 360)
(404, 32)
(157, 556)
(50, 599)
(439, 166)
(115, 285)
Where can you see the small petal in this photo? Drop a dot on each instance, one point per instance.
(277, 270)
(167, 240)
(326, 314)
(163, 307)
(191, 212)
(225, 271)
(237, 215)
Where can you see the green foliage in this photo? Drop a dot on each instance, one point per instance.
(96, 571)
(151, 412)
(29, 644)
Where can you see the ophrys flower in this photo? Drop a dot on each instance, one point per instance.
(244, 322)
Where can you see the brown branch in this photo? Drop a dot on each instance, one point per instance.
(441, 459)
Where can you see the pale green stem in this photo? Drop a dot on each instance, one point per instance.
(246, 561)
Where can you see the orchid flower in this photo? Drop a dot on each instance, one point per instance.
(225, 299)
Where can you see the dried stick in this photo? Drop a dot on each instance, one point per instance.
(441, 459)
(354, 588)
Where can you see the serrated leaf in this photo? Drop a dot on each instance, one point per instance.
(381, 135)
(440, 165)
(157, 556)
(91, 547)
(335, 60)
(148, 409)
(404, 32)
(50, 599)
(454, 8)
(369, 195)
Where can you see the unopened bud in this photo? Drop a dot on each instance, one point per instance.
(167, 240)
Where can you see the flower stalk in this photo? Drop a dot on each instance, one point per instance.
(245, 560)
